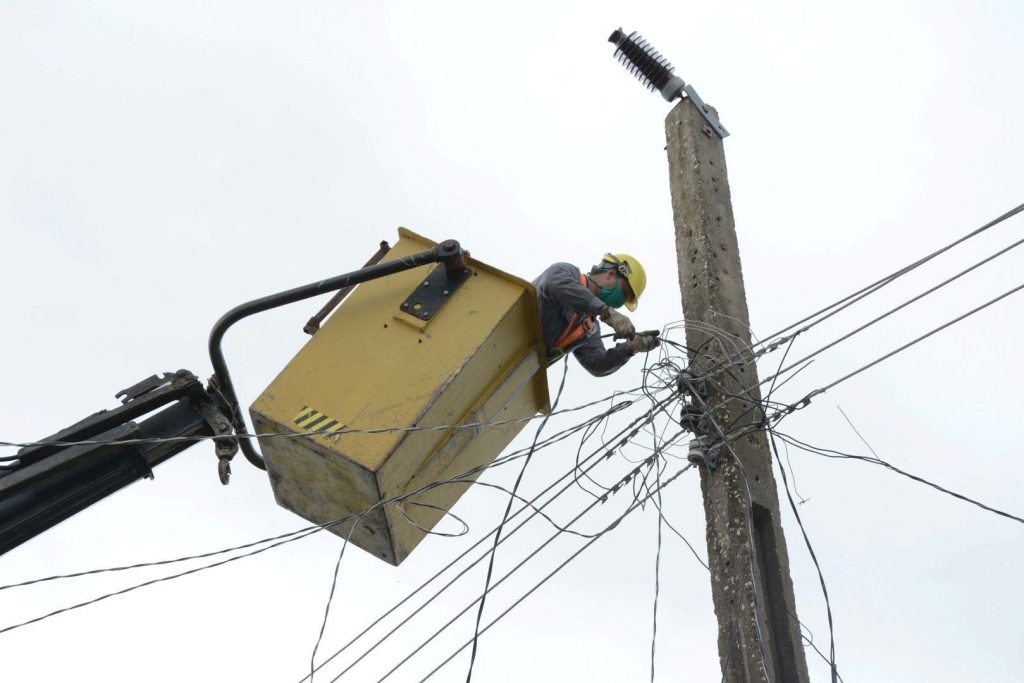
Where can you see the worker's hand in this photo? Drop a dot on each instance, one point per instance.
(645, 341)
(621, 324)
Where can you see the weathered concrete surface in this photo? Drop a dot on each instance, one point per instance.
(758, 631)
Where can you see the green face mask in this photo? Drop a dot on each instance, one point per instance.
(613, 296)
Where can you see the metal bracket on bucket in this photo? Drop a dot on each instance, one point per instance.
(430, 296)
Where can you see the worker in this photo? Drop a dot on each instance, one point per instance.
(571, 302)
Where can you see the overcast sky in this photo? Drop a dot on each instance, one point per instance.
(161, 163)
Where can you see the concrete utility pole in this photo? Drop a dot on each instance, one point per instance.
(758, 633)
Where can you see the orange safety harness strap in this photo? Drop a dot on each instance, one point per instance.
(573, 332)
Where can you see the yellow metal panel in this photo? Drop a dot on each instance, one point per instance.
(444, 478)
(373, 367)
(328, 489)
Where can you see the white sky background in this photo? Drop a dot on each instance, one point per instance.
(161, 164)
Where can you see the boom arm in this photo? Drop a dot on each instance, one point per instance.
(76, 467)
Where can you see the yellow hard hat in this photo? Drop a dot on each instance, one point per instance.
(630, 269)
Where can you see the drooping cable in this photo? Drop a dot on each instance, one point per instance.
(633, 507)
(504, 519)
(202, 556)
(657, 584)
(628, 429)
(286, 538)
(512, 571)
(304, 531)
(830, 453)
(330, 596)
(814, 558)
(152, 582)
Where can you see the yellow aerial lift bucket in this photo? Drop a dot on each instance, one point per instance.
(389, 413)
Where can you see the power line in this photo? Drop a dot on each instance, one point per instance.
(830, 453)
(747, 355)
(696, 555)
(814, 558)
(504, 518)
(526, 461)
(877, 461)
(657, 583)
(591, 424)
(490, 588)
(557, 569)
(340, 431)
(821, 654)
(875, 286)
(629, 430)
(893, 310)
(516, 568)
(148, 583)
(832, 658)
(807, 399)
(286, 538)
(330, 596)
(790, 408)
(513, 496)
(560, 530)
(497, 534)
(310, 529)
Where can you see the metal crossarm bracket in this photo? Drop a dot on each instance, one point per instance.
(707, 112)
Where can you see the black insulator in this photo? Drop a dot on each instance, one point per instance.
(691, 418)
(643, 61)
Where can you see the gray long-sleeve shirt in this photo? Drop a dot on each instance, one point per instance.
(560, 294)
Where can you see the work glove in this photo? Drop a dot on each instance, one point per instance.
(645, 341)
(621, 324)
